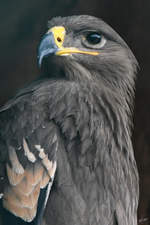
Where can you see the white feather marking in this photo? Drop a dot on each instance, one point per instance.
(42, 155)
(16, 166)
(41, 151)
(52, 173)
(38, 147)
(56, 146)
(1, 195)
(47, 163)
(27, 152)
(47, 193)
(49, 188)
(54, 138)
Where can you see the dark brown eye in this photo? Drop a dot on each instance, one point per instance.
(94, 38)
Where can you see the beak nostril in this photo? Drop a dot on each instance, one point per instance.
(59, 39)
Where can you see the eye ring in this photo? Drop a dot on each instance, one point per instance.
(93, 40)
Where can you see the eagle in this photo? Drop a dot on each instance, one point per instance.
(66, 156)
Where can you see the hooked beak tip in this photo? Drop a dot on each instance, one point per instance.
(47, 47)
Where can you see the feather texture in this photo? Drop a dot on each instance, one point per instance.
(74, 124)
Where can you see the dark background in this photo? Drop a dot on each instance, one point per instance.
(22, 23)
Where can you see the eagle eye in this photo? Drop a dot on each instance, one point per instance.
(94, 38)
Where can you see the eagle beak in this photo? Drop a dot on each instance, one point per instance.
(52, 43)
(47, 46)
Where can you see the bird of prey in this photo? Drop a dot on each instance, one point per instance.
(66, 156)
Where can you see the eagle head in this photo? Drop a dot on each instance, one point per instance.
(86, 49)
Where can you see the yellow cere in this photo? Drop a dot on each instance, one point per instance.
(59, 35)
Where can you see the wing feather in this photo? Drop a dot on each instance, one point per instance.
(31, 133)
(28, 154)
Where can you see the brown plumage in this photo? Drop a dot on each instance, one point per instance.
(65, 140)
(22, 192)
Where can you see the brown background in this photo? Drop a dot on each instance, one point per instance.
(22, 23)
